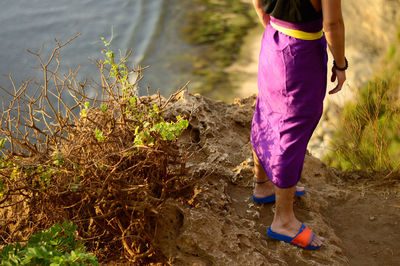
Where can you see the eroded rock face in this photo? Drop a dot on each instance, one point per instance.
(219, 224)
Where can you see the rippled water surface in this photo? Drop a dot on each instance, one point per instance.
(149, 27)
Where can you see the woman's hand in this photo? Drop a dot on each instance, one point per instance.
(334, 33)
(264, 18)
(341, 77)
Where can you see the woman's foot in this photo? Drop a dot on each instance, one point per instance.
(291, 229)
(285, 222)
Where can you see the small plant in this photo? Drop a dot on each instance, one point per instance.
(55, 246)
(149, 124)
(119, 71)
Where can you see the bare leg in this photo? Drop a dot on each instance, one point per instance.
(285, 221)
(265, 189)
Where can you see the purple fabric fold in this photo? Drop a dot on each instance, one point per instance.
(292, 76)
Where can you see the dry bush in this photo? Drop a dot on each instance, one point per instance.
(106, 164)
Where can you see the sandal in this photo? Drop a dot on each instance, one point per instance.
(302, 239)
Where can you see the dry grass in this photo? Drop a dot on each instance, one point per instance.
(367, 137)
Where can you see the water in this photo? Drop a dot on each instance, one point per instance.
(149, 27)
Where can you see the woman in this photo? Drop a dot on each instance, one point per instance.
(292, 86)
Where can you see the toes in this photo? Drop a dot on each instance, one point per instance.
(317, 241)
(300, 188)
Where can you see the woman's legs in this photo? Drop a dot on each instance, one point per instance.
(285, 222)
(265, 189)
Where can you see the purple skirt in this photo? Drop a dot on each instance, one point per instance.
(292, 76)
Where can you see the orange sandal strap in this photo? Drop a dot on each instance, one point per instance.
(304, 237)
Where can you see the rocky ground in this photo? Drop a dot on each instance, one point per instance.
(220, 225)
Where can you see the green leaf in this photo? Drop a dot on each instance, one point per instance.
(110, 54)
(15, 173)
(171, 136)
(83, 113)
(155, 108)
(151, 141)
(2, 142)
(138, 140)
(99, 135)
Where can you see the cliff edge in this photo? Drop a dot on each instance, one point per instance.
(220, 225)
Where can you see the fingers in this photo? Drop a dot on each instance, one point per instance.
(341, 77)
(336, 89)
(333, 77)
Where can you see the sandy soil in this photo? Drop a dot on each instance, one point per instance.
(220, 225)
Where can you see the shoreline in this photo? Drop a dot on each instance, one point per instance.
(216, 30)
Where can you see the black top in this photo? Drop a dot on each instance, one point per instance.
(295, 11)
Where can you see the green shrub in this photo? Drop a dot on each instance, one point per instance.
(55, 246)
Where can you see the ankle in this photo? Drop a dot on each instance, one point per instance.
(261, 179)
(264, 186)
(285, 222)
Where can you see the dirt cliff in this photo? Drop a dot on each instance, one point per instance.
(220, 225)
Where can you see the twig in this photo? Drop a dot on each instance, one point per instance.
(173, 96)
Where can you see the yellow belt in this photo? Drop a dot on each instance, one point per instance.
(298, 33)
